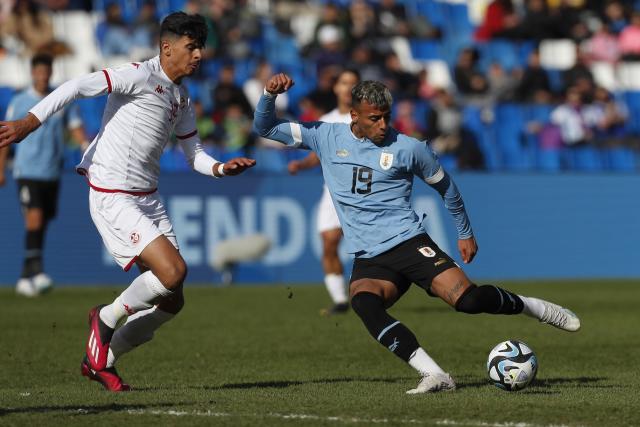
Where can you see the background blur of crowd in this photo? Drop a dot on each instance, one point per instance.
(502, 85)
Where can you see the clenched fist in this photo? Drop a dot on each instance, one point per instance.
(279, 83)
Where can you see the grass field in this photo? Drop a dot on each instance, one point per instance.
(263, 356)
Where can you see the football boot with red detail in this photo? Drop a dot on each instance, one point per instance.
(108, 377)
(99, 338)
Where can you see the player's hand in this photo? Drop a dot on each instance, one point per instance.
(294, 167)
(468, 249)
(15, 131)
(279, 83)
(238, 165)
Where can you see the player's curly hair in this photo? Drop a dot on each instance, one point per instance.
(374, 92)
(181, 24)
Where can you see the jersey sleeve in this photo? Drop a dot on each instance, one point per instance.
(425, 163)
(127, 79)
(292, 134)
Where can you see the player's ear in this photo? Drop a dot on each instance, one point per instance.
(165, 47)
(354, 116)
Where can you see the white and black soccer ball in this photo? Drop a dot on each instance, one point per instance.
(512, 365)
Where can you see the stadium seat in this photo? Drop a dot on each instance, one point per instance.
(510, 127)
(557, 54)
(584, 159)
(503, 52)
(485, 135)
(549, 160)
(438, 73)
(14, 71)
(621, 159)
(425, 49)
(91, 110)
(632, 100)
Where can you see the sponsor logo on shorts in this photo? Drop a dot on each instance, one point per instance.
(427, 251)
(440, 261)
(135, 237)
(342, 153)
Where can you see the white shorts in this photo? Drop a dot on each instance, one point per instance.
(327, 216)
(128, 223)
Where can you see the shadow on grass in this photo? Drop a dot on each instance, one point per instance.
(83, 409)
(285, 384)
(581, 382)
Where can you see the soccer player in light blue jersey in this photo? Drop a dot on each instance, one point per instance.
(369, 168)
(37, 167)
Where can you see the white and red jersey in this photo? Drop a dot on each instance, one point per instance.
(143, 109)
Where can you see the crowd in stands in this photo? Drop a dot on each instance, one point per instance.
(491, 84)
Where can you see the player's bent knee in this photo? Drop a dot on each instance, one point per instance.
(173, 304)
(366, 304)
(174, 274)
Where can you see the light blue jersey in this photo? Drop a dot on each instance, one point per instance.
(40, 155)
(370, 184)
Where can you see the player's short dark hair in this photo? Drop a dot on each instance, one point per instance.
(42, 59)
(374, 92)
(181, 24)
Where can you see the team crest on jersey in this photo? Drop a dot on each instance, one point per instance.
(342, 153)
(386, 160)
(427, 251)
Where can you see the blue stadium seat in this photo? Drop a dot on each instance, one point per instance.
(632, 100)
(585, 159)
(425, 49)
(6, 93)
(621, 159)
(503, 52)
(91, 110)
(485, 135)
(555, 80)
(434, 11)
(549, 160)
(510, 136)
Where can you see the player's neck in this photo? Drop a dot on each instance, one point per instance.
(356, 131)
(171, 71)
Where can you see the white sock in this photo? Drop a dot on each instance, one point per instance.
(140, 295)
(138, 330)
(423, 363)
(335, 286)
(533, 307)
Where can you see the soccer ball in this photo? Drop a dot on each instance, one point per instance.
(512, 365)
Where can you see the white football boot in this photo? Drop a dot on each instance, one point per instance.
(26, 288)
(560, 317)
(42, 283)
(433, 383)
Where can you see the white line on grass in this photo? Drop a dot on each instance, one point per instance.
(338, 419)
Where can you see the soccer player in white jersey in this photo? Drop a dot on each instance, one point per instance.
(327, 222)
(369, 168)
(146, 104)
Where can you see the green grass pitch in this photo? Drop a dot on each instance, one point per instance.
(259, 356)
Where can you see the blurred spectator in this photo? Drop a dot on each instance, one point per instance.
(362, 21)
(144, 37)
(113, 33)
(608, 117)
(502, 84)
(425, 89)
(237, 128)
(405, 121)
(204, 123)
(580, 77)
(614, 16)
(603, 46)
(363, 59)
(630, 39)
(571, 118)
(31, 26)
(534, 85)
(446, 134)
(331, 50)
(332, 16)
(402, 84)
(227, 93)
(391, 19)
(254, 87)
(322, 97)
(537, 23)
(468, 79)
(499, 17)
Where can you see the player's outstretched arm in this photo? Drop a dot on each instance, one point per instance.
(234, 166)
(14, 131)
(311, 161)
